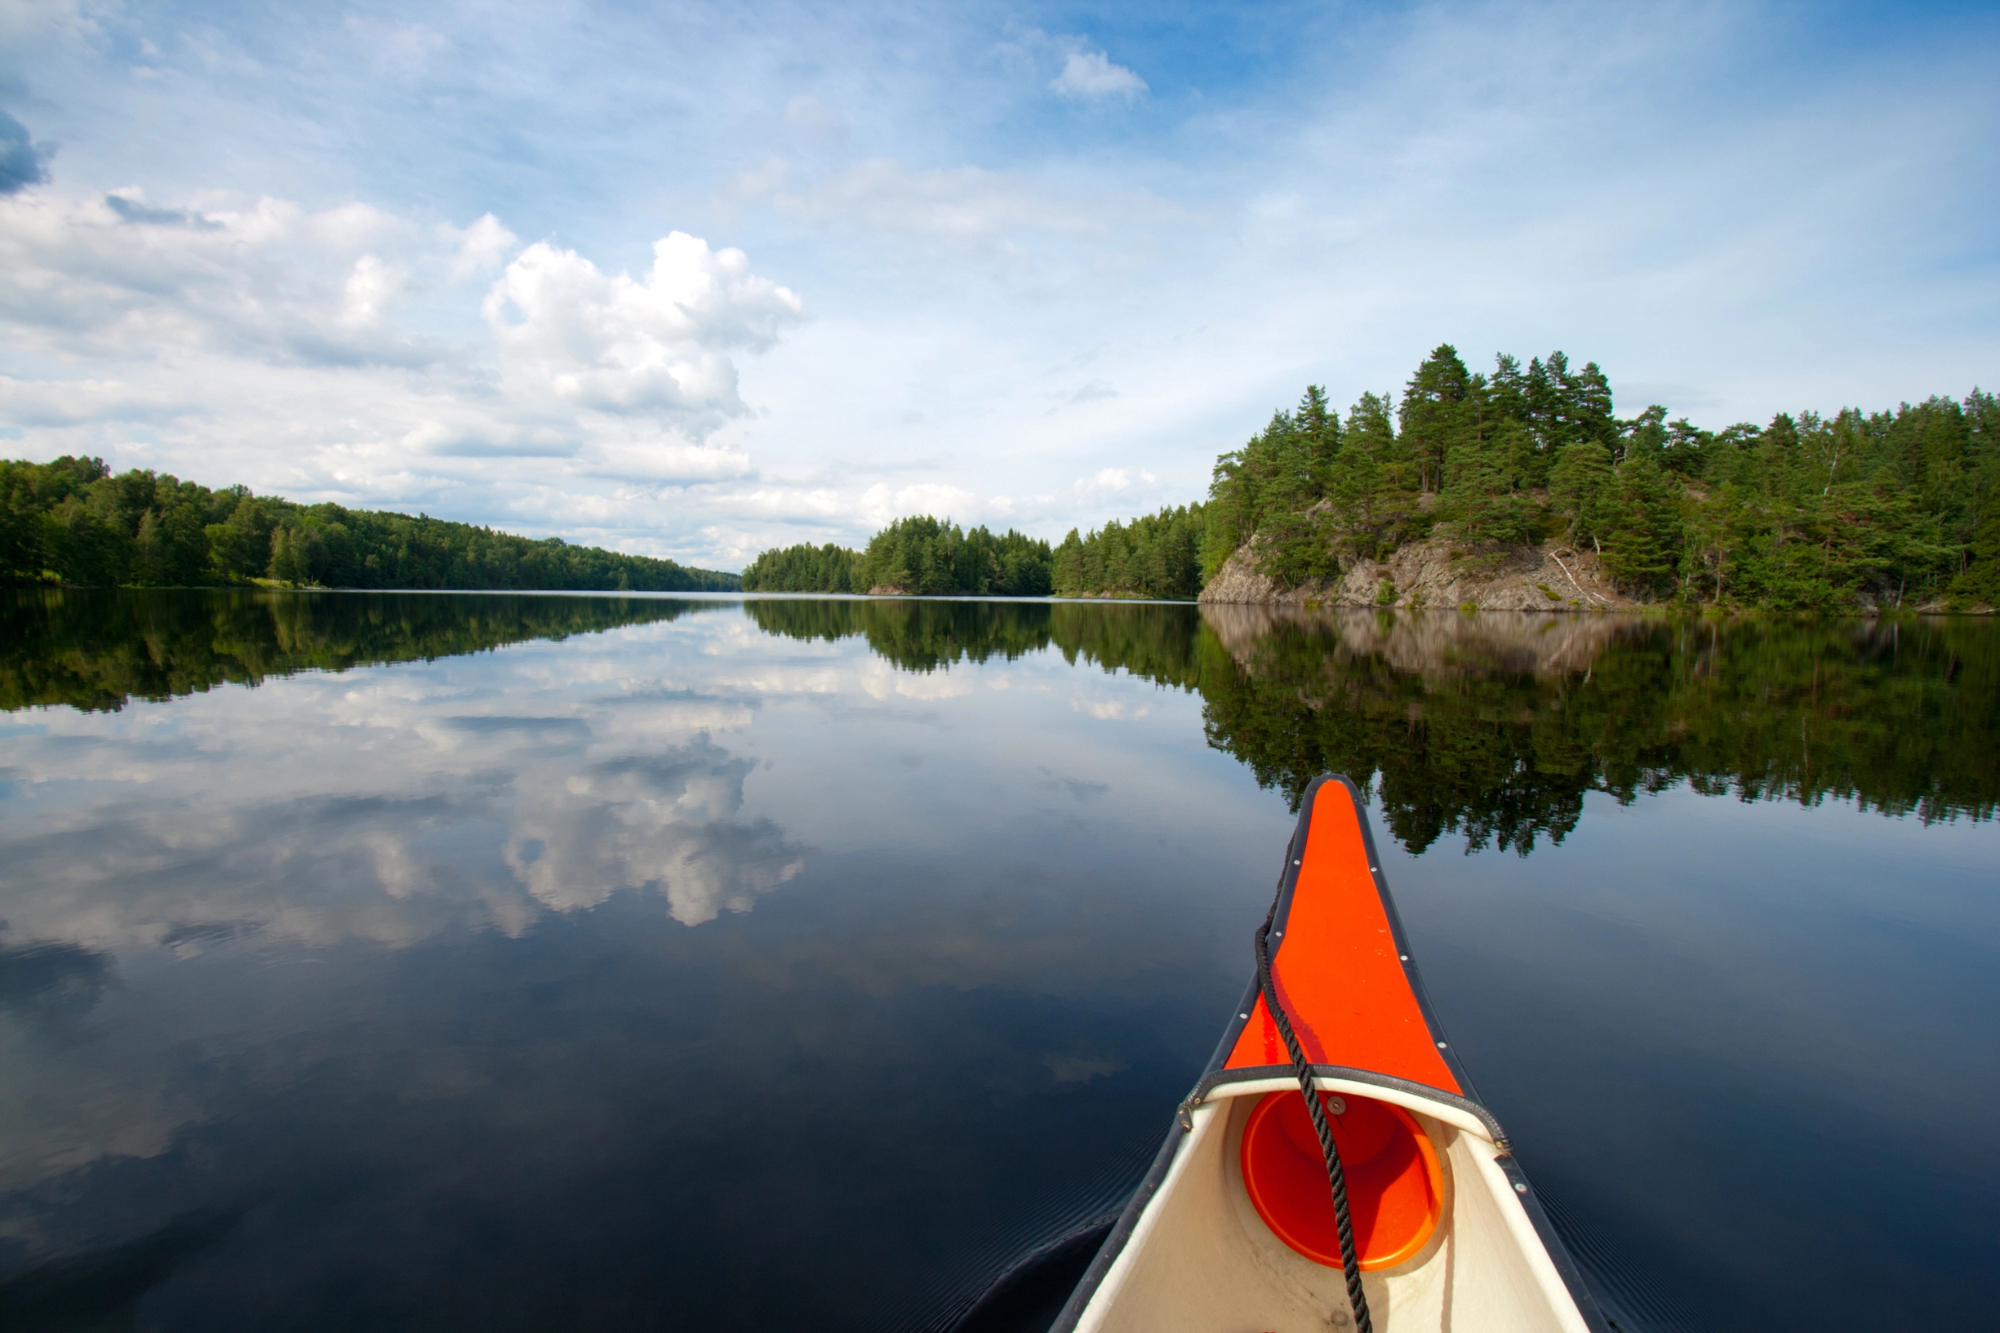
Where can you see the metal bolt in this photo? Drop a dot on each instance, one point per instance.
(1336, 1105)
(1405, 957)
(1520, 1189)
(1243, 1015)
(1441, 1046)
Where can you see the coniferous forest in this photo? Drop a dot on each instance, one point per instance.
(71, 521)
(1805, 512)
(917, 556)
(1802, 513)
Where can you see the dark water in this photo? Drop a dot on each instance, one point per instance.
(436, 962)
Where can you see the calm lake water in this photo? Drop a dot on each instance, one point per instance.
(459, 961)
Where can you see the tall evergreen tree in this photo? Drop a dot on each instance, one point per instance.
(1434, 413)
(1579, 487)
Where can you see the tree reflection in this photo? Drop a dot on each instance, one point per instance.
(1496, 726)
(96, 649)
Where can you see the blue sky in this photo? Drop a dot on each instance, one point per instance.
(698, 279)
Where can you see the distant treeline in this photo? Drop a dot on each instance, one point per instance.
(918, 556)
(1805, 512)
(71, 521)
(95, 649)
(1157, 555)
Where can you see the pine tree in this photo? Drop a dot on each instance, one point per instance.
(1642, 534)
(1578, 487)
(1980, 582)
(1319, 430)
(1434, 414)
(1479, 498)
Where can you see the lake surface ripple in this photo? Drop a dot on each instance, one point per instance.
(466, 961)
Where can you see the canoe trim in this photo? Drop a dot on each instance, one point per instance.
(1552, 1244)
(1471, 1116)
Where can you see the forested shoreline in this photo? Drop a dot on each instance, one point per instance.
(1879, 510)
(1884, 509)
(916, 556)
(1155, 556)
(71, 522)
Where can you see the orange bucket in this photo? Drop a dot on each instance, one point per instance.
(1395, 1187)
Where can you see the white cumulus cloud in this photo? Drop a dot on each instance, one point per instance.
(357, 355)
(622, 345)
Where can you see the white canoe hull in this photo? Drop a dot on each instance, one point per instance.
(1447, 1232)
(1195, 1257)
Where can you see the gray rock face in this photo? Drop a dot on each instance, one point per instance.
(1439, 574)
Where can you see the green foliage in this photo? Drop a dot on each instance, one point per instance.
(71, 521)
(1270, 492)
(1642, 520)
(1980, 581)
(803, 568)
(1438, 413)
(1807, 513)
(1480, 499)
(1155, 555)
(924, 557)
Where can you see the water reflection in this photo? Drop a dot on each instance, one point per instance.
(924, 635)
(665, 820)
(96, 649)
(382, 960)
(731, 964)
(1495, 726)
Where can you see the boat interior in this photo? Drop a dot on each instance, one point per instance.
(1239, 1237)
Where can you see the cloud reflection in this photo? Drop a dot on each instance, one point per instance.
(385, 808)
(666, 821)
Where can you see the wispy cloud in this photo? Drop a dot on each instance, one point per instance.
(1090, 74)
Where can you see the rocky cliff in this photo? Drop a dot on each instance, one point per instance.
(1438, 574)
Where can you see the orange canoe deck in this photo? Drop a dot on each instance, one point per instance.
(1337, 962)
